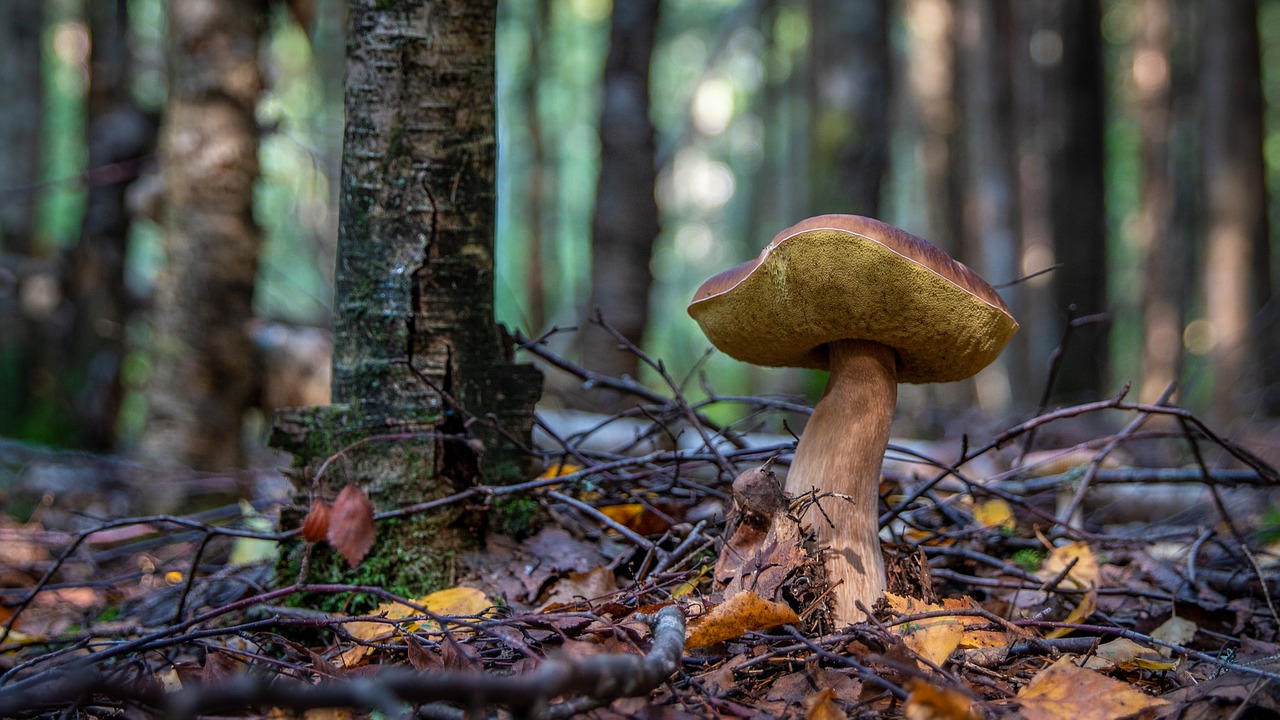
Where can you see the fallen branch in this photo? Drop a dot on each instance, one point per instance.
(601, 678)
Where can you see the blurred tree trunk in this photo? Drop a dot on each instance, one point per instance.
(992, 216)
(537, 255)
(423, 378)
(120, 135)
(849, 94)
(625, 224)
(1163, 253)
(1075, 99)
(21, 28)
(932, 110)
(931, 80)
(1237, 261)
(201, 355)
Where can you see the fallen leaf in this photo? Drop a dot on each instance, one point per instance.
(821, 706)
(930, 702)
(458, 601)
(1084, 573)
(249, 550)
(1176, 630)
(735, 617)
(1125, 654)
(1079, 614)
(351, 529)
(995, 513)
(1064, 691)
(578, 587)
(933, 639)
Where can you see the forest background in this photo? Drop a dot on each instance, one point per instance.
(1120, 157)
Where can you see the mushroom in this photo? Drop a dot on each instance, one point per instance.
(875, 306)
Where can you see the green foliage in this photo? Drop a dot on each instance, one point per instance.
(1028, 559)
(517, 516)
(1269, 528)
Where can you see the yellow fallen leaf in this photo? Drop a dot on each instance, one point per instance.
(995, 513)
(930, 702)
(736, 617)
(1084, 573)
(1078, 615)
(1125, 654)
(558, 470)
(459, 601)
(1064, 691)
(1176, 630)
(625, 514)
(933, 639)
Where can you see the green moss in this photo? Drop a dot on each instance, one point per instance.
(517, 516)
(1028, 559)
(410, 558)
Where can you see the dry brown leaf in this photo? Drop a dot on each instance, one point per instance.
(316, 525)
(930, 702)
(1083, 574)
(351, 528)
(1064, 691)
(577, 587)
(821, 706)
(1176, 630)
(1126, 654)
(737, 616)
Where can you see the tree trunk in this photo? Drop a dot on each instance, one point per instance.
(21, 28)
(1237, 264)
(625, 224)
(419, 365)
(120, 135)
(1076, 97)
(992, 217)
(1163, 275)
(201, 353)
(849, 96)
(931, 82)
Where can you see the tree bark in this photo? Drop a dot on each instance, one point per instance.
(1076, 98)
(992, 217)
(201, 353)
(1163, 275)
(120, 135)
(1237, 262)
(21, 28)
(420, 368)
(850, 89)
(625, 224)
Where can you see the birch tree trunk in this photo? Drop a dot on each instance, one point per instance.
(419, 366)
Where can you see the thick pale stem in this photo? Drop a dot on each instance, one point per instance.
(840, 452)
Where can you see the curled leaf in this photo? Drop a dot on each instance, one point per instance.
(316, 526)
(351, 529)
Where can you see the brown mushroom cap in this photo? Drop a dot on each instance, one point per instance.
(845, 277)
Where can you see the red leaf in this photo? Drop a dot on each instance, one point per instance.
(351, 530)
(316, 526)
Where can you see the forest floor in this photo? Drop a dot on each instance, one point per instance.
(1131, 574)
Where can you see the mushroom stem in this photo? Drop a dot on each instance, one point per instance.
(840, 452)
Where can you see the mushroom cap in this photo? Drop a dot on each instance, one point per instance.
(845, 277)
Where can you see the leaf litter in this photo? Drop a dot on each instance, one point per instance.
(997, 607)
